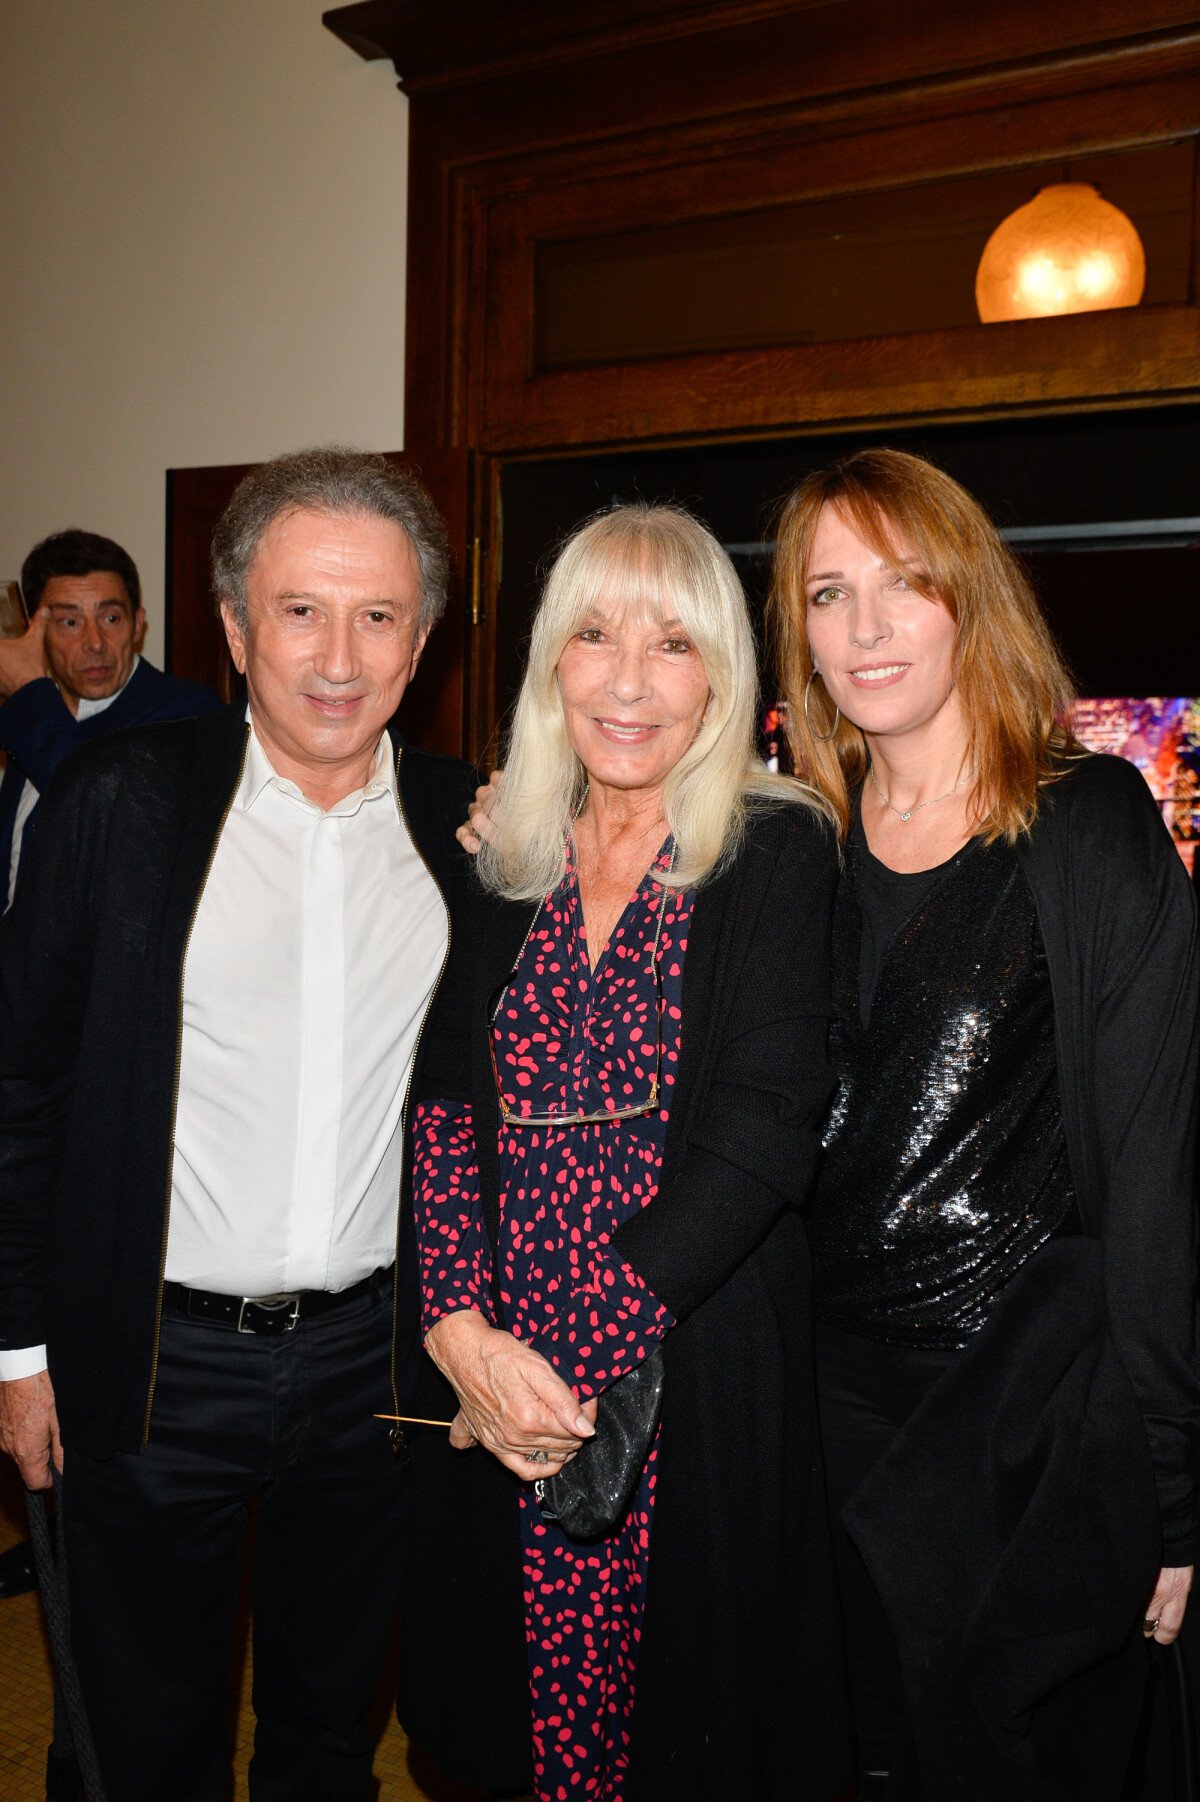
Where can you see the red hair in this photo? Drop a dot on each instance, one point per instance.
(1013, 686)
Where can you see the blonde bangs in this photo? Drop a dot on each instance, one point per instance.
(637, 562)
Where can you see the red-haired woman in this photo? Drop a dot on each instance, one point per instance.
(1003, 1228)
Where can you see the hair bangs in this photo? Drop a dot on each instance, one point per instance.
(1013, 684)
(658, 564)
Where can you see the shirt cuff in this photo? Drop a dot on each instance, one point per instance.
(26, 1361)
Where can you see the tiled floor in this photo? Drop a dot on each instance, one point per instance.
(26, 1702)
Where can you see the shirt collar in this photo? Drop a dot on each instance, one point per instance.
(259, 774)
(87, 709)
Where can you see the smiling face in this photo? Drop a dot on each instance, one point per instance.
(633, 692)
(884, 650)
(332, 641)
(92, 635)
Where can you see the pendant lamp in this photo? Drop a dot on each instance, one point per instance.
(1067, 251)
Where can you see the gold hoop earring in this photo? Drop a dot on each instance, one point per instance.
(820, 738)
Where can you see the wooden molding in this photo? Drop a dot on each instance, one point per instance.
(1033, 365)
(805, 47)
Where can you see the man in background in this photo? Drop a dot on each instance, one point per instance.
(75, 675)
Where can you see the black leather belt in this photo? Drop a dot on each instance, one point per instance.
(263, 1313)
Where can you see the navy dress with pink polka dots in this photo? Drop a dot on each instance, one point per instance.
(569, 1041)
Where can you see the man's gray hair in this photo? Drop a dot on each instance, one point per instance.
(337, 480)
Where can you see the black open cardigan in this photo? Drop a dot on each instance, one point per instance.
(739, 1681)
(1017, 1522)
(91, 963)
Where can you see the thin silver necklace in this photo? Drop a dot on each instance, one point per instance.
(961, 783)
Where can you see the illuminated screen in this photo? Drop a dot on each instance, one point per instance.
(1162, 737)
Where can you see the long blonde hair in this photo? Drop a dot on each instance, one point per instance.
(1013, 686)
(657, 562)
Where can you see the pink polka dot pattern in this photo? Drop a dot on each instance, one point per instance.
(568, 1038)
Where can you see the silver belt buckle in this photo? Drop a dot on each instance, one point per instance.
(271, 1304)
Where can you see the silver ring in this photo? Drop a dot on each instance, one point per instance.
(538, 1457)
(1150, 1625)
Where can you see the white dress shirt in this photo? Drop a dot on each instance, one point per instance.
(29, 796)
(313, 955)
(312, 959)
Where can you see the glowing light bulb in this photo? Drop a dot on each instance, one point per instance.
(1067, 251)
(1035, 278)
(1095, 276)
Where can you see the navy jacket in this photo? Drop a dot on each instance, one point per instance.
(37, 730)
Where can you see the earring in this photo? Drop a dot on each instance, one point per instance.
(821, 738)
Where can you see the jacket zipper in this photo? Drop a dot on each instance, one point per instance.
(162, 1260)
(397, 1434)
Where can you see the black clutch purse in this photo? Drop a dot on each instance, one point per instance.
(590, 1494)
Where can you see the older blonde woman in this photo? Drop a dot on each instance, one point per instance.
(620, 1124)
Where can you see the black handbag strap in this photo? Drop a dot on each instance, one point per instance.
(72, 1735)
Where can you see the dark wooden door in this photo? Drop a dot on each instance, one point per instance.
(195, 641)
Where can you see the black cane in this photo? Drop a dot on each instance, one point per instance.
(72, 1758)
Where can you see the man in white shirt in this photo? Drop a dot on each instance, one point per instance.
(204, 1072)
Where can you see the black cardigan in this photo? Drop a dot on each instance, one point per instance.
(1118, 919)
(91, 960)
(1017, 1521)
(738, 1689)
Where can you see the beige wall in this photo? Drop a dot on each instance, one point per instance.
(201, 256)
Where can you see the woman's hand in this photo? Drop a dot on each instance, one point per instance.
(510, 1399)
(462, 1438)
(479, 815)
(1165, 1609)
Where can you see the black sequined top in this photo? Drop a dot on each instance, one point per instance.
(945, 1162)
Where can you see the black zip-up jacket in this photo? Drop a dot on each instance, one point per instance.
(91, 963)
